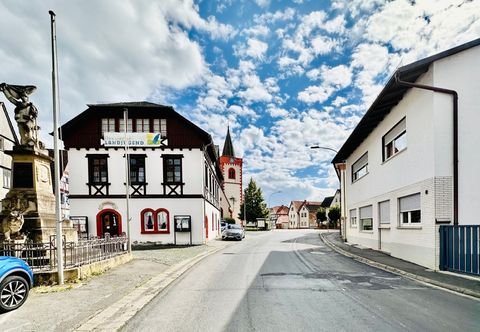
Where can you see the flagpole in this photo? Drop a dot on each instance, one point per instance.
(127, 179)
(56, 155)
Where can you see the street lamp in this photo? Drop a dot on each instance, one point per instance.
(341, 168)
(323, 147)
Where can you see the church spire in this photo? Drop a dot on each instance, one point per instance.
(228, 146)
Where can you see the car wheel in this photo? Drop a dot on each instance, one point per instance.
(13, 293)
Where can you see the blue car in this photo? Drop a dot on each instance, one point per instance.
(16, 279)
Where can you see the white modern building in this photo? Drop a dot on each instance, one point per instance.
(411, 165)
(174, 174)
(8, 139)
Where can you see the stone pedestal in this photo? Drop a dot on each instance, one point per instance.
(32, 195)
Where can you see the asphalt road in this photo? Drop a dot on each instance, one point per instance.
(290, 281)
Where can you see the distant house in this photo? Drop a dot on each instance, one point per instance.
(279, 216)
(301, 214)
(411, 164)
(331, 201)
(174, 174)
(8, 138)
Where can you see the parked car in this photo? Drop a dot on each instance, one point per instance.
(16, 280)
(233, 231)
(223, 225)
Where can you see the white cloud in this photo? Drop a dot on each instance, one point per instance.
(339, 101)
(256, 49)
(271, 18)
(262, 3)
(315, 94)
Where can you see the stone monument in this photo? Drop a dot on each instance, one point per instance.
(28, 209)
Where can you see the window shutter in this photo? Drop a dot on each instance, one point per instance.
(410, 203)
(397, 130)
(362, 161)
(366, 212)
(384, 208)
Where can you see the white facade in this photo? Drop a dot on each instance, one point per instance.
(7, 141)
(200, 200)
(422, 172)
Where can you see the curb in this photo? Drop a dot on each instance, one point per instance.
(119, 313)
(388, 268)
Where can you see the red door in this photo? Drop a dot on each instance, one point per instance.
(206, 227)
(109, 221)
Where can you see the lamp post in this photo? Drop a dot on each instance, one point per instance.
(340, 167)
(323, 147)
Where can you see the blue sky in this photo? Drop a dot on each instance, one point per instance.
(284, 75)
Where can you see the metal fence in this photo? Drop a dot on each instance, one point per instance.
(43, 256)
(459, 249)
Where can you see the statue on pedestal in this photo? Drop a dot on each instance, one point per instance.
(25, 112)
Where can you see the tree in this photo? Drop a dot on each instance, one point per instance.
(334, 214)
(321, 215)
(229, 220)
(256, 206)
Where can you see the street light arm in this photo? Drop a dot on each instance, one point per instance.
(323, 147)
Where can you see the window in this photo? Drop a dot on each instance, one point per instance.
(7, 178)
(137, 168)
(353, 218)
(395, 140)
(231, 173)
(2, 144)
(384, 212)
(143, 125)
(172, 169)
(147, 219)
(160, 126)
(108, 125)
(155, 221)
(360, 167)
(163, 223)
(366, 220)
(97, 169)
(121, 125)
(409, 207)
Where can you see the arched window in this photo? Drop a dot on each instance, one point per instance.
(163, 221)
(231, 173)
(155, 221)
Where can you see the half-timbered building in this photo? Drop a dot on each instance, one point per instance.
(174, 176)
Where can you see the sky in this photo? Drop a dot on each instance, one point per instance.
(284, 75)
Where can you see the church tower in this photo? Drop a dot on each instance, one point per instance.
(232, 173)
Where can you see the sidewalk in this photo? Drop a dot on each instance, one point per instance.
(453, 282)
(106, 302)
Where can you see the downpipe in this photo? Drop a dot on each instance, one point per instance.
(454, 94)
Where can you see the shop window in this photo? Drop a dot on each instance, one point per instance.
(155, 221)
